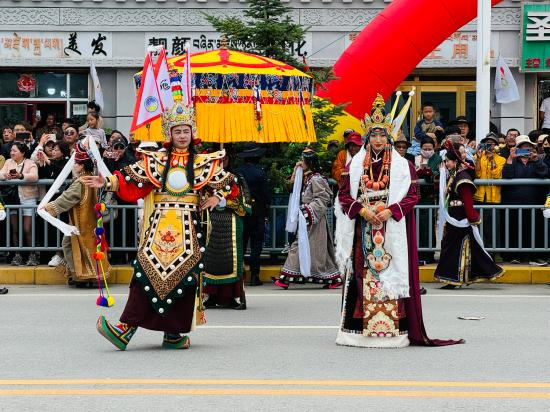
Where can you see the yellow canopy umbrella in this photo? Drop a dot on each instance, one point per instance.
(244, 97)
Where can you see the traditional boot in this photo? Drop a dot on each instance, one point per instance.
(255, 279)
(118, 335)
(175, 341)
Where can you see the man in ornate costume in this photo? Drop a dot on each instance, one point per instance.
(175, 184)
(381, 306)
(79, 200)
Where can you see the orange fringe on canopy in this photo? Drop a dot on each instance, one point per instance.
(229, 123)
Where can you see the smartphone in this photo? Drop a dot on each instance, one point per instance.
(22, 136)
(13, 171)
(523, 152)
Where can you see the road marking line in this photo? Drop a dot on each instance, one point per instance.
(268, 327)
(277, 392)
(272, 382)
(281, 295)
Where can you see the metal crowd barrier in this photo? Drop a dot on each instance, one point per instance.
(505, 228)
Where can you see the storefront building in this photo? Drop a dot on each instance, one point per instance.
(46, 48)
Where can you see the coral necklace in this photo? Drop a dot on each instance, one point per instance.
(383, 178)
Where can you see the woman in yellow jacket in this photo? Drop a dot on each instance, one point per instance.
(489, 165)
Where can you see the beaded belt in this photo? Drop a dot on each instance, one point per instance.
(165, 201)
(454, 203)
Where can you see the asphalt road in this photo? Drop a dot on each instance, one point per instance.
(279, 355)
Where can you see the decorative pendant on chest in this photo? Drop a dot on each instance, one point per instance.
(176, 180)
(383, 177)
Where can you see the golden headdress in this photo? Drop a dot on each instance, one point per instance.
(178, 115)
(379, 120)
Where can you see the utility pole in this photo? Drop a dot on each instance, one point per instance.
(483, 68)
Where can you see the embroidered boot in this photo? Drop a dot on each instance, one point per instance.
(118, 335)
(175, 341)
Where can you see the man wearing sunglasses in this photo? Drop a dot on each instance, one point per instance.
(70, 136)
(117, 154)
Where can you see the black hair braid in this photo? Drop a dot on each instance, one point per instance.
(189, 167)
(166, 167)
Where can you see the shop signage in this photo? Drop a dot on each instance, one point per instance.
(535, 37)
(60, 45)
(461, 45)
(26, 83)
(80, 109)
(174, 43)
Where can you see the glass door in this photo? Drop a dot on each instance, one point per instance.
(11, 113)
(450, 99)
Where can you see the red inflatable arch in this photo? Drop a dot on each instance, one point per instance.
(391, 46)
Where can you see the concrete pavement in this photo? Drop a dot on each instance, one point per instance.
(278, 355)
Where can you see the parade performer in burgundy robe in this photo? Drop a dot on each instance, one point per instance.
(376, 244)
(463, 259)
(175, 185)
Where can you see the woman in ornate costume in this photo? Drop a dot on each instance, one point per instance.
(463, 259)
(317, 264)
(223, 258)
(381, 306)
(175, 185)
(79, 201)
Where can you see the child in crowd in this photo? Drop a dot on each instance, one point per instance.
(428, 126)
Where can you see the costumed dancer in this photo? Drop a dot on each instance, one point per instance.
(223, 258)
(167, 271)
(376, 243)
(463, 259)
(311, 256)
(79, 201)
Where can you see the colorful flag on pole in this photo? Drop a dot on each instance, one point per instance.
(98, 94)
(162, 77)
(148, 103)
(506, 89)
(187, 92)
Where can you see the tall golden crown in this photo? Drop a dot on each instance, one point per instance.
(377, 118)
(178, 115)
(390, 123)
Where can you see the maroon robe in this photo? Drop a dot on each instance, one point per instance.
(412, 305)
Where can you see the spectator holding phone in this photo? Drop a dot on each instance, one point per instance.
(50, 128)
(511, 136)
(524, 163)
(19, 167)
(489, 165)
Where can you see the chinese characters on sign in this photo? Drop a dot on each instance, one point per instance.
(460, 46)
(58, 45)
(535, 44)
(174, 43)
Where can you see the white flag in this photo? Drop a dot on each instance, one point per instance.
(148, 104)
(506, 89)
(163, 80)
(98, 94)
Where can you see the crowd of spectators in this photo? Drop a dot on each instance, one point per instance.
(31, 153)
(497, 156)
(41, 152)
